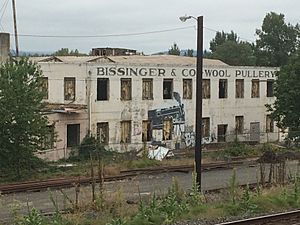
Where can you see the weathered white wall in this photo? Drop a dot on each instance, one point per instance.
(220, 111)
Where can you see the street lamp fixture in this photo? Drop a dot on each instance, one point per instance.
(198, 120)
(185, 18)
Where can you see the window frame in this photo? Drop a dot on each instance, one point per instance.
(187, 89)
(71, 80)
(123, 95)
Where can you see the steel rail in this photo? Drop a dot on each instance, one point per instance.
(274, 219)
(124, 174)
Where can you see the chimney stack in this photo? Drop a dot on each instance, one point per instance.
(4, 46)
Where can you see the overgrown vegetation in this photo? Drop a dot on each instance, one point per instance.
(174, 205)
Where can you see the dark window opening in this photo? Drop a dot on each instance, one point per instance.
(167, 89)
(239, 88)
(222, 129)
(223, 88)
(270, 88)
(102, 89)
(147, 131)
(73, 135)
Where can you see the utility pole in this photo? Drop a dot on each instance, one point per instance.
(15, 27)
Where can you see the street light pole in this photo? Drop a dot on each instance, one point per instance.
(198, 119)
(198, 144)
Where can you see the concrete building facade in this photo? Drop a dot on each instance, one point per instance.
(127, 101)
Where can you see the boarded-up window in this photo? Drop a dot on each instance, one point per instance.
(269, 124)
(223, 84)
(125, 89)
(239, 88)
(103, 132)
(69, 88)
(187, 88)
(270, 88)
(147, 89)
(167, 88)
(147, 131)
(44, 87)
(206, 88)
(239, 124)
(167, 129)
(102, 89)
(48, 141)
(73, 135)
(205, 127)
(125, 131)
(255, 89)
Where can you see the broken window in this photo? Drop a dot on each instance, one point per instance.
(269, 124)
(125, 89)
(69, 86)
(147, 89)
(239, 124)
(223, 88)
(167, 129)
(205, 127)
(206, 88)
(73, 135)
(187, 88)
(125, 131)
(44, 87)
(222, 130)
(147, 131)
(102, 89)
(48, 141)
(255, 89)
(103, 132)
(239, 88)
(270, 88)
(167, 88)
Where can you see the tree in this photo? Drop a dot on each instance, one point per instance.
(221, 38)
(67, 52)
(22, 126)
(235, 53)
(276, 40)
(189, 53)
(286, 108)
(174, 50)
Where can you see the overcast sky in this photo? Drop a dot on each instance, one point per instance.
(114, 17)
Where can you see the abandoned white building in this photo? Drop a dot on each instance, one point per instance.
(127, 101)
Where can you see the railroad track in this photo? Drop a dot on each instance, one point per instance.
(124, 174)
(286, 218)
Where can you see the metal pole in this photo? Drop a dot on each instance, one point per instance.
(198, 147)
(15, 26)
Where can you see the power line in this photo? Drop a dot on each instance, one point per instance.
(105, 35)
(120, 35)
